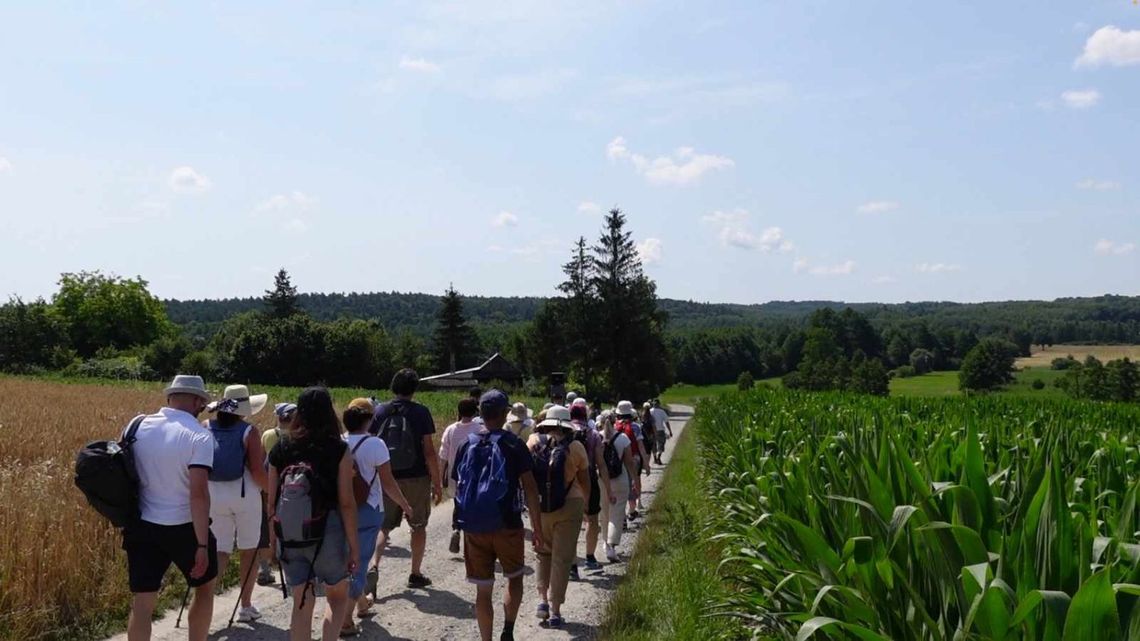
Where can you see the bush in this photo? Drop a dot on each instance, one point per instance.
(121, 368)
(745, 381)
(988, 366)
(1038, 384)
(1065, 363)
(906, 371)
(199, 363)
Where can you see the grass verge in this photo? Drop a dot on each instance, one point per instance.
(673, 570)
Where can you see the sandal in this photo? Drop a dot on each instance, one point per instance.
(366, 611)
(350, 630)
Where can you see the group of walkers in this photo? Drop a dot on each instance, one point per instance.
(320, 494)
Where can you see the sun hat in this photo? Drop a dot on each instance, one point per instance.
(580, 402)
(237, 400)
(520, 412)
(624, 408)
(361, 404)
(187, 384)
(570, 397)
(284, 410)
(556, 417)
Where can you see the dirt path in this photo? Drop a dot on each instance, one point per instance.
(446, 610)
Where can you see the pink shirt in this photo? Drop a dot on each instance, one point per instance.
(453, 438)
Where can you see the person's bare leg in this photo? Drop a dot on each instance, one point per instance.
(512, 599)
(142, 609)
(201, 612)
(381, 543)
(337, 597)
(592, 530)
(301, 622)
(484, 611)
(419, 546)
(247, 559)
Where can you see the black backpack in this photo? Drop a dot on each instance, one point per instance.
(614, 464)
(581, 435)
(402, 439)
(105, 472)
(550, 474)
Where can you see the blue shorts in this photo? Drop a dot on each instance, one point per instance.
(368, 520)
(331, 563)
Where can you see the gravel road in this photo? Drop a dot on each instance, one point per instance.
(446, 609)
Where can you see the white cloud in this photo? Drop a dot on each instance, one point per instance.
(734, 229)
(884, 279)
(937, 268)
(5, 165)
(185, 180)
(877, 207)
(650, 251)
(1098, 185)
(587, 207)
(1105, 247)
(1112, 46)
(1081, 99)
(682, 167)
(295, 201)
(419, 65)
(505, 219)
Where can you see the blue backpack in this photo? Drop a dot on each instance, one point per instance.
(483, 484)
(229, 452)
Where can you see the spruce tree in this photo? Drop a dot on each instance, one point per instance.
(282, 299)
(454, 340)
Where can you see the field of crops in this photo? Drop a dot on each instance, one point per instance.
(926, 519)
(62, 575)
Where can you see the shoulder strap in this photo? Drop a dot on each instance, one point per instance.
(361, 442)
(133, 428)
(375, 473)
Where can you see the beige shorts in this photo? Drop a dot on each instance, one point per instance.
(418, 493)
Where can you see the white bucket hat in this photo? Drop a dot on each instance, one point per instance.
(186, 384)
(236, 400)
(624, 408)
(556, 416)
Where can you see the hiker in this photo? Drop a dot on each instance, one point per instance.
(406, 427)
(373, 478)
(454, 436)
(588, 436)
(314, 514)
(284, 413)
(616, 467)
(520, 423)
(173, 455)
(560, 470)
(624, 423)
(491, 467)
(236, 483)
(649, 429)
(473, 393)
(664, 430)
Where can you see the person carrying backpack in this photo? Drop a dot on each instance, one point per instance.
(284, 413)
(407, 428)
(454, 436)
(313, 512)
(561, 472)
(491, 467)
(624, 423)
(616, 467)
(173, 455)
(372, 479)
(586, 434)
(236, 482)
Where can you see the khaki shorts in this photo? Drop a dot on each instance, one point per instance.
(418, 493)
(480, 551)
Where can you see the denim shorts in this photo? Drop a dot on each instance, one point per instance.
(331, 563)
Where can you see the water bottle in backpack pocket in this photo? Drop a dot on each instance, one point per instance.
(302, 511)
(402, 438)
(550, 473)
(483, 484)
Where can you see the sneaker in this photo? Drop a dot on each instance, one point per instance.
(418, 581)
(507, 636)
(592, 565)
(611, 554)
(574, 576)
(453, 547)
(555, 622)
(543, 611)
(249, 615)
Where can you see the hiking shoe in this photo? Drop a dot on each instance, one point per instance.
(555, 622)
(574, 576)
(543, 611)
(592, 565)
(265, 576)
(611, 554)
(507, 636)
(418, 581)
(249, 615)
(453, 547)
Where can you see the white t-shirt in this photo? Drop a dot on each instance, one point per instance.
(660, 417)
(621, 444)
(167, 445)
(369, 456)
(453, 438)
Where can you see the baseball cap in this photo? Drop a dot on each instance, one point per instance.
(493, 400)
(362, 404)
(283, 410)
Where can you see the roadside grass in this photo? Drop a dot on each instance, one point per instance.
(672, 573)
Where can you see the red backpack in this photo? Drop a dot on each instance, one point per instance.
(625, 426)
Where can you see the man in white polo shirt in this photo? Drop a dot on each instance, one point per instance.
(173, 454)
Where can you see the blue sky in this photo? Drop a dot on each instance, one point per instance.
(860, 151)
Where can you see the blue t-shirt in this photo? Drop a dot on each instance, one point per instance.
(519, 462)
(420, 418)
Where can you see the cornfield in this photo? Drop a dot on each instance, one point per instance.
(925, 519)
(62, 573)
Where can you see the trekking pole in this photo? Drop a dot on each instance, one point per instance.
(241, 591)
(185, 597)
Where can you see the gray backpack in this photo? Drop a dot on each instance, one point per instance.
(302, 510)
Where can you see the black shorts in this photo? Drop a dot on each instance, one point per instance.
(263, 540)
(151, 548)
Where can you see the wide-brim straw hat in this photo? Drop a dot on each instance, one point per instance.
(186, 384)
(237, 400)
(557, 417)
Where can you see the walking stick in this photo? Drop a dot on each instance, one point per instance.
(185, 597)
(241, 591)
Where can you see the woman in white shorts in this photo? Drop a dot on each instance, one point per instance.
(236, 483)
